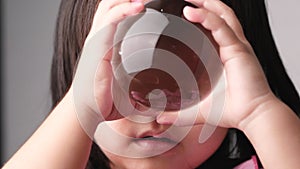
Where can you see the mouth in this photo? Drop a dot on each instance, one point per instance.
(154, 144)
(156, 139)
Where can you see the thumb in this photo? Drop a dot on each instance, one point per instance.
(186, 117)
(95, 51)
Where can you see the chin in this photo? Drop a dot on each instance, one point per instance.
(165, 161)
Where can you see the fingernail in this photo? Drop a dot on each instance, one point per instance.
(186, 9)
(137, 4)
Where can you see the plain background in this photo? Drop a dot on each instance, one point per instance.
(27, 44)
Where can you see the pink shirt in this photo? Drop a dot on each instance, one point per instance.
(250, 164)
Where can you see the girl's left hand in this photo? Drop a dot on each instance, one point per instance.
(247, 88)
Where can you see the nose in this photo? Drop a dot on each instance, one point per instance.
(142, 114)
(147, 119)
(151, 128)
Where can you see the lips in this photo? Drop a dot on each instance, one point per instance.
(150, 146)
(156, 139)
(152, 141)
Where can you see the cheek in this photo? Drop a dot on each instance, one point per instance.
(111, 136)
(196, 153)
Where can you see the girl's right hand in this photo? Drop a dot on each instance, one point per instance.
(93, 78)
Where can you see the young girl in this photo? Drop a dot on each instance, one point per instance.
(253, 115)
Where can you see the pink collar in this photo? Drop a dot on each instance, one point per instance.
(250, 164)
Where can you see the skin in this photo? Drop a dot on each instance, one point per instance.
(187, 153)
(250, 105)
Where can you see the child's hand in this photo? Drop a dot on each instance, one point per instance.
(93, 78)
(246, 87)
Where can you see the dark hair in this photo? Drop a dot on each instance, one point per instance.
(74, 22)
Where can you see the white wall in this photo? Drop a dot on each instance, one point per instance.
(285, 22)
(28, 29)
(27, 46)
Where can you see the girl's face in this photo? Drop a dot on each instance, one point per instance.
(148, 145)
(151, 145)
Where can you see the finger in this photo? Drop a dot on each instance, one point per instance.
(208, 111)
(103, 7)
(103, 81)
(186, 117)
(83, 83)
(108, 4)
(221, 32)
(114, 14)
(119, 12)
(223, 11)
(114, 115)
(227, 14)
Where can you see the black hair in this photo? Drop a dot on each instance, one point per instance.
(74, 22)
